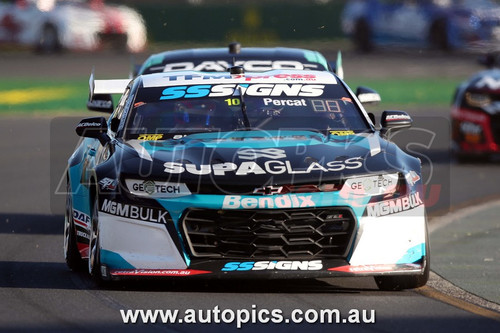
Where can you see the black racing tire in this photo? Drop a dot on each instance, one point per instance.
(438, 36)
(49, 41)
(400, 282)
(362, 37)
(94, 262)
(71, 254)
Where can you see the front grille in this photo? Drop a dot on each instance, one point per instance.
(269, 234)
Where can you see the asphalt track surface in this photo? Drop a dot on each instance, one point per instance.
(39, 293)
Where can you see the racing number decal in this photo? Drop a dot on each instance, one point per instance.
(232, 101)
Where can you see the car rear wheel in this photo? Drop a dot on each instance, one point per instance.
(71, 253)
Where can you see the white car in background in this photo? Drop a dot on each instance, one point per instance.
(52, 25)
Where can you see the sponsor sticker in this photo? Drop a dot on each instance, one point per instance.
(108, 184)
(150, 188)
(146, 214)
(393, 206)
(342, 133)
(282, 201)
(285, 265)
(81, 219)
(157, 272)
(248, 65)
(412, 177)
(150, 137)
(261, 89)
(372, 185)
(273, 167)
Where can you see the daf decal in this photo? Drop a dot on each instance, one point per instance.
(81, 218)
(269, 167)
(285, 265)
(262, 89)
(282, 201)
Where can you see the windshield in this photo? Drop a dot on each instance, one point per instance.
(333, 111)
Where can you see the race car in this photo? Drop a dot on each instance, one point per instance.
(49, 26)
(444, 25)
(239, 175)
(475, 114)
(219, 59)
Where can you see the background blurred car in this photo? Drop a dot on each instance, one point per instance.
(50, 25)
(476, 113)
(443, 24)
(253, 59)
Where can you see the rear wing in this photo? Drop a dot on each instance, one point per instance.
(100, 92)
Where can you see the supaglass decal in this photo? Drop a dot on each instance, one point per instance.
(273, 167)
(285, 265)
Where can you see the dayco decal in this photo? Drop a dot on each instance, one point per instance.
(248, 65)
(394, 206)
(268, 167)
(286, 265)
(134, 212)
(282, 201)
(153, 189)
(262, 89)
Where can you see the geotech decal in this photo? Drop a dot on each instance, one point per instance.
(371, 185)
(261, 89)
(394, 206)
(150, 188)
(134, 212)
(272, 167)
(286, 265)
(282, 201)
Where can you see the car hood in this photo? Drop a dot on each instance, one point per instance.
(252, 158)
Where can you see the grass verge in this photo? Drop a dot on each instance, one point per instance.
(25, 96)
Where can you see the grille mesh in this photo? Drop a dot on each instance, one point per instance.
(269, 234)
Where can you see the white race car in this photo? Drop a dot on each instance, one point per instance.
(51, 25)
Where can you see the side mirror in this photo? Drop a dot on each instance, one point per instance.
(95, 127)
(395, 120)
(367, 95)
(100, 102)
